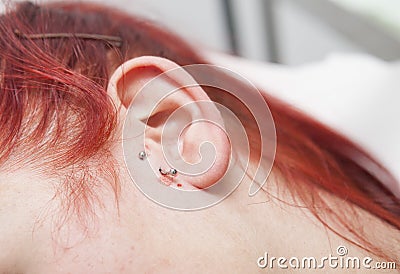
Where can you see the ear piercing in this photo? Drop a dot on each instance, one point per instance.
(167, 177)
(142, 155)
(172, 172)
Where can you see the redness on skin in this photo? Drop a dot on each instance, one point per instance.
(166, 180)
(179, 185)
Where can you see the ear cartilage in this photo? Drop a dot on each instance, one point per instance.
(172, 172)
(142, 155)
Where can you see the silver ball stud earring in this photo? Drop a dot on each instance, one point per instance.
(142, 155)
(173, 172)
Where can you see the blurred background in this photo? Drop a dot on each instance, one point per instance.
(283, 31)
(289, 32)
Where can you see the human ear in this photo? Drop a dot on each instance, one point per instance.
(182, 128)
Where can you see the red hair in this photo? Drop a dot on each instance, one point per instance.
(56, 114)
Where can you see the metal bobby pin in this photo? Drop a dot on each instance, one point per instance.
(113, 40)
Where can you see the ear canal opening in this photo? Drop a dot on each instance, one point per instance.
(158, 119)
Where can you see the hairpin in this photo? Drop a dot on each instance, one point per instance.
(113, 40)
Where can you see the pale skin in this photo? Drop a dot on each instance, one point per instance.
(143, 237)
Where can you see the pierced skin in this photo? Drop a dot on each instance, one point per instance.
(167, 180)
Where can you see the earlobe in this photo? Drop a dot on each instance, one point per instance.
(183, 128)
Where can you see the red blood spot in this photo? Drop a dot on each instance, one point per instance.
(179, 185)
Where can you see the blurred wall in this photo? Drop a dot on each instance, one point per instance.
(302, 37)
(298, 37)
(202, 21)
(270, 30)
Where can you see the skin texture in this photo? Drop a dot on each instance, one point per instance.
(136, 235)
(146, 238)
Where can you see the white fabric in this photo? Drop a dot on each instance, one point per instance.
(358, 95)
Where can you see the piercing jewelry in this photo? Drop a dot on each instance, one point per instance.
(142, 155)
(172, 172)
